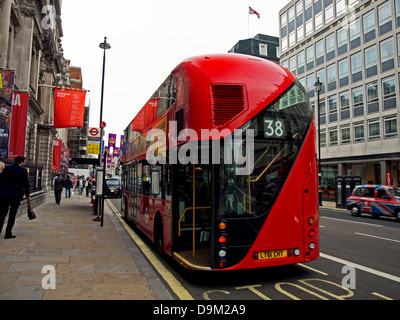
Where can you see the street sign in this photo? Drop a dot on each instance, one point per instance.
(94, 133)
(93, 148)
(102, 124)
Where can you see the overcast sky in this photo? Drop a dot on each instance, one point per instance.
(149, 39)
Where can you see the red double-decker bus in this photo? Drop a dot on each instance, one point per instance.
(219, 166)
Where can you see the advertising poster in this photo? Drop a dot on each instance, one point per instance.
(6, 96)
(57, 148)
(18, 124)
(69, 108)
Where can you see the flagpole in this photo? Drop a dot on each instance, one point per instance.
(248, 22)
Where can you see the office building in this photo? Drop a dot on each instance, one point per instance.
(353, 48)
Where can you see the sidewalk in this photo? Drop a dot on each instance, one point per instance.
(91, 262)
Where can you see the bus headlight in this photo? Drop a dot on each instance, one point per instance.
(222, 253)
(312, 246)
(296, 252)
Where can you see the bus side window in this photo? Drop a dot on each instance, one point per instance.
(156, 181)
(166, 182)
(146, 179)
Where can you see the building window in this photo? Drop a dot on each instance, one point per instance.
(284, 64)
(328, 13)
(372, 97)
(356, 67)
(284, 44)
(331, 76)
(300, 62)
(318, 21)
(358, 101)
(371, 67)
(387, 55)
(303, 82)
(369, 26)
(332, 108)
(340, 7)
(344, 101)
(390, 127)
(333, 136)
(341, 36)
(397, 8)
(330, 47)
(359, 132)
(310, 85)
(299, 20)
(389, 93)
(345, 134)
(343, 68)
(385, 17)
(322, 111)
(372, 92)
(355, 36)
(374, 131)
(292, 33)
(317, 6)
(310, 57)
(308, 15)
(319, 52)
(352, 3)
(284, 31)
(292, 64)
(263, 48)
(322, 137)
(321, 75)
(398, 49)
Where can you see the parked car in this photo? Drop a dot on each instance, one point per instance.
(113, 188)
(376, 200)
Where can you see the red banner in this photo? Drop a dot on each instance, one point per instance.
(18, 124)
(57, 147)
(69, 108)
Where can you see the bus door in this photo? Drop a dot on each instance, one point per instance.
(193, 214)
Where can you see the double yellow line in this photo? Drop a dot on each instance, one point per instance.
(169, 278)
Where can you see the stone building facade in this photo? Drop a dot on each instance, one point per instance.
(30, 44)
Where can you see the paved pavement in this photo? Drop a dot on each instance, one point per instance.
(66, 248)
(89, 262)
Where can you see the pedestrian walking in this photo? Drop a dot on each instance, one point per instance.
(81, 185)
(58, 187)
(68, 185)
(14, 183)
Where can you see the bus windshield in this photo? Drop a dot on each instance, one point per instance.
(279, 131)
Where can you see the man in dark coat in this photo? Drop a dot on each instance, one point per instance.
(14, 183)
(58, 188)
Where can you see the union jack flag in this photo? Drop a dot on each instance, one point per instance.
(252, 11)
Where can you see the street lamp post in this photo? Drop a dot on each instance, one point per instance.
(318, 87)
(105, 46)
(100, 200)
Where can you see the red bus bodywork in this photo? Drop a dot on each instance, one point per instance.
(280, 235)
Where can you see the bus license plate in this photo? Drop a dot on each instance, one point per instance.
(272, 254)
